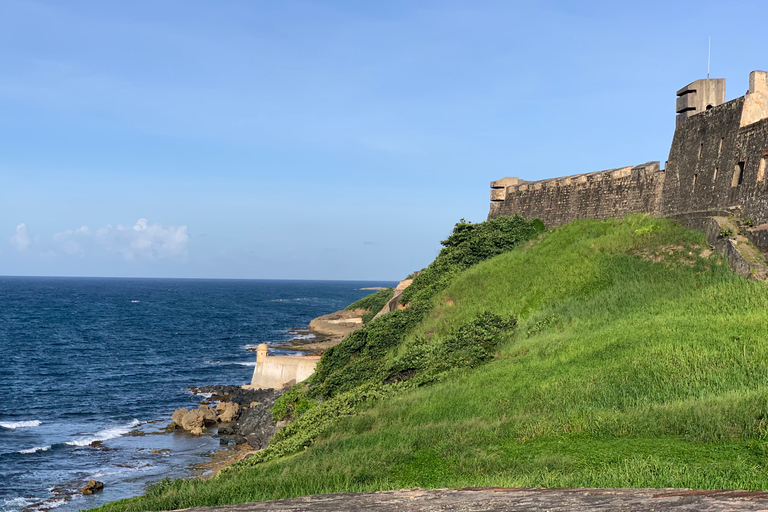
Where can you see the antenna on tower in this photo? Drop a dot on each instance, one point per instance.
(709, 55)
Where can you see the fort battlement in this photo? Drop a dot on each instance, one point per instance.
(716, 166)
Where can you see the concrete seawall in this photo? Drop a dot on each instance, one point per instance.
(280, 371)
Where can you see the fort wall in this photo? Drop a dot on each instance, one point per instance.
(596, 195)
(280, 371)
(717, 165)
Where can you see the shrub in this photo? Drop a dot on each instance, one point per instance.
(291, 404)
(372, 303)
(360, 357)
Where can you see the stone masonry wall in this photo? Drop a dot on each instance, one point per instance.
(701, 163)
(714, 167)
(717, 165)
(597, 195)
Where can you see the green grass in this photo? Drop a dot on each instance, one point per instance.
(621, 372)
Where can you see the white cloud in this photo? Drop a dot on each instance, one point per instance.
(140, 241)
(21, 239)
(143, 240)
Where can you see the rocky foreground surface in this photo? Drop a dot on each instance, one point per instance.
(491, 499)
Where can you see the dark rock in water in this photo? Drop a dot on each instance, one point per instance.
(224, 440)
(225, 431)
(92, 486)
(238, 439)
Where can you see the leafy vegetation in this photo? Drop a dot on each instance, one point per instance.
(373, 303)
(375, 354)
(632, 365)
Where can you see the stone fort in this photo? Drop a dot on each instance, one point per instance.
(716, 167)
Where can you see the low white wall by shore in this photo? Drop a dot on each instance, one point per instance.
(281, 371)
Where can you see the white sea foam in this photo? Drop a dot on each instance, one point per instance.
(49, 504)
(36, 449)
(20, 424)
(230, 363)
(104, 435)
(17, 503)
(135, 301)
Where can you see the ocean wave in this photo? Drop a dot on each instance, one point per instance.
(230, 363)
(135, 301)
(36, 449)
(21, 503)
(105, 434)
(11, 425)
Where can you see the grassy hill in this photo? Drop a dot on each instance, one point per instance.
(607, 353)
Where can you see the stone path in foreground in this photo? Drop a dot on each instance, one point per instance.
(492, 499)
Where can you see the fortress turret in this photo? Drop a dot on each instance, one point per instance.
(699, 96)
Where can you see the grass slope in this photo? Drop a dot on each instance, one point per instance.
(623, 371)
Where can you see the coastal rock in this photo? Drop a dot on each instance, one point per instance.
(92, 486)
(228, 411)
(209, 415)
(178, 414)
(255, 416)
(193, 422)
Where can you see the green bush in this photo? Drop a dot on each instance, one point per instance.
(292, 404)
(373, 303)
(361, 357)
(468, 245)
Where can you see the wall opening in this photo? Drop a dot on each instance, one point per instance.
(714, 176)
(709, 106)
(738, 174)
(761, 169)
(720, 147)
(701, 149)
(693, 185)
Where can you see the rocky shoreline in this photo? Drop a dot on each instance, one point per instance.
(242, 418)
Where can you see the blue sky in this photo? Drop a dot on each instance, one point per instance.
(321, 140)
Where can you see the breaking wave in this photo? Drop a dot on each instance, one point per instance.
(36, 449)
(105, 434)
(11, 425)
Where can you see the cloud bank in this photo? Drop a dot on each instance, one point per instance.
(142, 241)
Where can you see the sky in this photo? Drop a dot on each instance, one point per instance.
(282, 139)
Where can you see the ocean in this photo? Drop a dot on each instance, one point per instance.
(94, 359)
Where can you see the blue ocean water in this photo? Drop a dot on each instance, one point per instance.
(92, 359)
